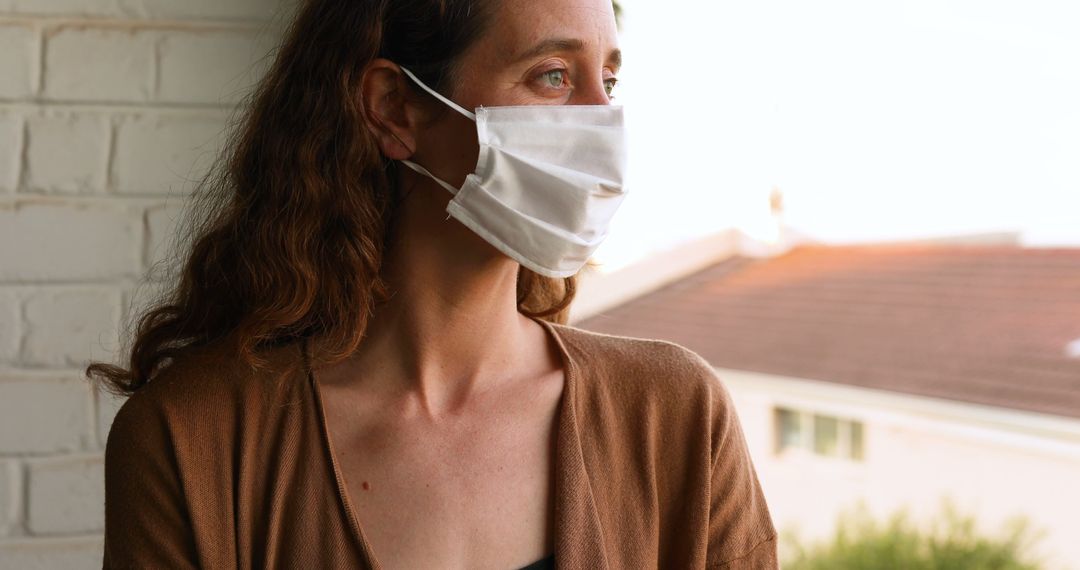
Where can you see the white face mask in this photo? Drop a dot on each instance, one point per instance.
(548, 179)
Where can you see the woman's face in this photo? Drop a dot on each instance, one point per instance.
(556, 52)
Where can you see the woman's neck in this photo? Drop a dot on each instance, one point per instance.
(450, 328)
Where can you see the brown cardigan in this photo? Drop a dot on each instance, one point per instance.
(215, 466)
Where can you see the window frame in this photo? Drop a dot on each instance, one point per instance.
(850, 434)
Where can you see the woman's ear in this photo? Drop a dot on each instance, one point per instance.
(387, 110)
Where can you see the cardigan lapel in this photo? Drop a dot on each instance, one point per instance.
(579, 539)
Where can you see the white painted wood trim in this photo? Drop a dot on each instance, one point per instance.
(599, 291)
(1058, 435)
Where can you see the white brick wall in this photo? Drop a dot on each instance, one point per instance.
(182, 147)
(162, 225)
(183, 75)
(99, 64)
(66, 153)
(18, 60)
(9, 325)
(211, 10)
(52, 553)
(66, 327)
(11, 143)
(43, 413)
(110, 112)
(9, 496)
(66, 495)
(98, 241)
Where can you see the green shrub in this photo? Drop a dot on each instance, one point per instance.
(951, 543)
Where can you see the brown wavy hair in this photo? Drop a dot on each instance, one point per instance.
(287, 233)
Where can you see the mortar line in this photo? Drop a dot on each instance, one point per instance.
(92, 21)
(77, 104)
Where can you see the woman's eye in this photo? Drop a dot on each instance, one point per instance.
(555, 77)
(609, 85)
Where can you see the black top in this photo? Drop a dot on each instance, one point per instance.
(542, 564)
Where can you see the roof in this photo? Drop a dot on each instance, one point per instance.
(983, 324)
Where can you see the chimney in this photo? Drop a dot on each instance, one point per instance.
(771, 237)
(776, 204)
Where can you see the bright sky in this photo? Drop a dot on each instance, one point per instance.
(877, 120)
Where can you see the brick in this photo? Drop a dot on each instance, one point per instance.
(10, 493)
(9, 326)
(43, 414)
(66, 495)
(159, 155)
(11, 141)
(51, 553)
(67, 153)
(97, 242)
(18, 61)
(65, 328)
(107, 406)
(252, 10)
(68, 7)
(162, 226)
(90, 64)
(208, 67)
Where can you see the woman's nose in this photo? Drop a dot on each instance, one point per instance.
(592, 92)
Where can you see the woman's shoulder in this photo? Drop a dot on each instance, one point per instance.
(653, 369)
(210, 385)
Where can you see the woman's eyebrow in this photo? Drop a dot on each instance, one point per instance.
(615, 57)
(550, 45)
(553, 45)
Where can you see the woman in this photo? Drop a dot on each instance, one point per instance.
(346, 376)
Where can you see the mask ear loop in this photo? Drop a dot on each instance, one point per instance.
(423, 171)
(416, 167)
(426, 172)
(436, 95)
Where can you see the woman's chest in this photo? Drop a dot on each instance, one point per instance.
(468, 492)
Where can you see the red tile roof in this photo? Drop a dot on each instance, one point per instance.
(988, 325)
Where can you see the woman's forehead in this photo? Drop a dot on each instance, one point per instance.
(523, 28)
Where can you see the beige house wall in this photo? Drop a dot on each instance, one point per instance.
(992, 463)
(108, 110)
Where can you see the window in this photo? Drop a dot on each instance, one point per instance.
(826, 435)
(820, 434)
(789, 432)
(856, 440)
